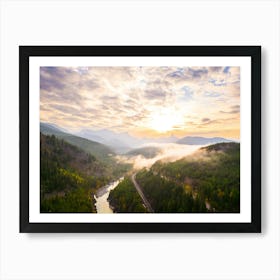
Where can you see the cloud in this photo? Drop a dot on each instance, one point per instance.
(188, 73)
(81, 70)
(215, 69)
(168, 151)
(187, 94)
(217, 83)
(64, 108)
(197, 72)
(177, 74)
(205, 120)
(127, 98)
(226, 69)
(155, 94)
(233, 110)
(212, 94)
(236, 107)
(51, 78)
(230, 112)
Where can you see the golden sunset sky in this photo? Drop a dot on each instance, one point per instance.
(143, 101)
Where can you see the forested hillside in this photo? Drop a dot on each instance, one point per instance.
(69, 176)
(125, 198)
(206, 181)
(146, 152)
(212, 175)
(102, 152)
(167, 196)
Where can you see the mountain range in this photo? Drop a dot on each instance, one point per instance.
(100, 151)
(123, 142)
(104, 142)
(196, 140)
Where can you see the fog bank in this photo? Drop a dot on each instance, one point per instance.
(169, 152)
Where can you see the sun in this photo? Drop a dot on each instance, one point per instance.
(164, 121)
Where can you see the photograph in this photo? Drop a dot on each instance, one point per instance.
(140, 139)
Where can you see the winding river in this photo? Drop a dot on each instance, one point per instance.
(102, 205)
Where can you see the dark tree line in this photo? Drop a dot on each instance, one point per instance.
(213, 175)
(125, 199)
(166, 196)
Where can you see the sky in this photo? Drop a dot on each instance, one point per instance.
(143, 101)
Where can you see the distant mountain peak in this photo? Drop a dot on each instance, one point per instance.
(54, 126)
(198, 140)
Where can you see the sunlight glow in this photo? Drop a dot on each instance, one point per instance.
(164, 121)
(144, 101)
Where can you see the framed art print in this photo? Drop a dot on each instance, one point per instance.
(140, 138)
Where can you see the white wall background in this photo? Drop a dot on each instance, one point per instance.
(139, 256)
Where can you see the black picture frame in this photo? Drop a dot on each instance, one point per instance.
(254, 52)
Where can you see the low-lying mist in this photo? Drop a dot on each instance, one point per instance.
(169, 152)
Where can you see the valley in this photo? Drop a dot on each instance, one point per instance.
(137, 175)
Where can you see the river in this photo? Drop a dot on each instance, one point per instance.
(169, 151)
(102, 205)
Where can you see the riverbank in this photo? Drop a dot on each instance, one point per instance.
(102, 204)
